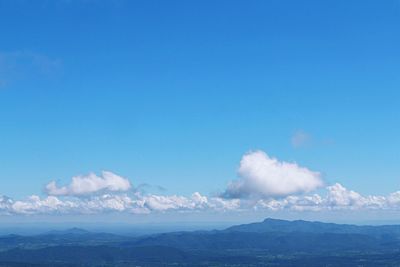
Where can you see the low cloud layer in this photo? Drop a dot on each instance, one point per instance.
(263, 176)
(134, 204)
(336, 197)
(264, 184)
(89, 184)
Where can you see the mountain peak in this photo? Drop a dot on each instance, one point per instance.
(76, 230)
(278, 225)
(273, 220)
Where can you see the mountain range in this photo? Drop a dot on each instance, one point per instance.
(271, 242)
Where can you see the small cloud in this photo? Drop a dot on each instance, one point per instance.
(300, 138)
(263, 176)
(19, 64)
(89, 184)
(144, 187)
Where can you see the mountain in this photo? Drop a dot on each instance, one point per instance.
(73, 236)
(270, 242)
(273, 225)
(71, 231)
(273, 242)
(94, 254)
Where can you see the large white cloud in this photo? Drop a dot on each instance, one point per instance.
(89, 184)
(264, 176)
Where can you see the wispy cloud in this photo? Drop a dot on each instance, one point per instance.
(300, 138)
(18, 64)
(303, 139)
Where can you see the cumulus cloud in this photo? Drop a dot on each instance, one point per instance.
(336, 197)
(264, 176)
(116, 202)
(89, 184)
(264, 184)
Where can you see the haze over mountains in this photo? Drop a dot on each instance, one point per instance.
(270, 242)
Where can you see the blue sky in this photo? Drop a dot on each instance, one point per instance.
(173, 93)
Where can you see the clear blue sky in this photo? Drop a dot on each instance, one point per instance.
(173, 93)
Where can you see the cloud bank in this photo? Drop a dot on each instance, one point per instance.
(336, 197)
(264, 176)
(264, 184)
(134, 204)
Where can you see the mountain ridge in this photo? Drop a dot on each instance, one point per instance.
(278, 225)
(254, 244)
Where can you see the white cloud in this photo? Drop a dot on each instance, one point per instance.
(264, 184)
(196, 202)
(116, 202)
(264, 176)
(5, 204)
(35, 205)
(89, 184)
(394, 199)
(337, 197)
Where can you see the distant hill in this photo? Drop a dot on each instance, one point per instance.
(98, 255)
(273, 225)
(273, 242)
(73, 236)
(270, 242)
(71, 231)
(280, 236)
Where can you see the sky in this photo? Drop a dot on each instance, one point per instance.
(199, 109)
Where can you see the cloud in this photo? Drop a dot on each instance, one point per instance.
(263, 176)
(35, 205)
(22, 64)
(264, 183)
(300, 138)
(89, 184)
(337, 198)
(195, 202)
(144, 187)
(115, 202)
